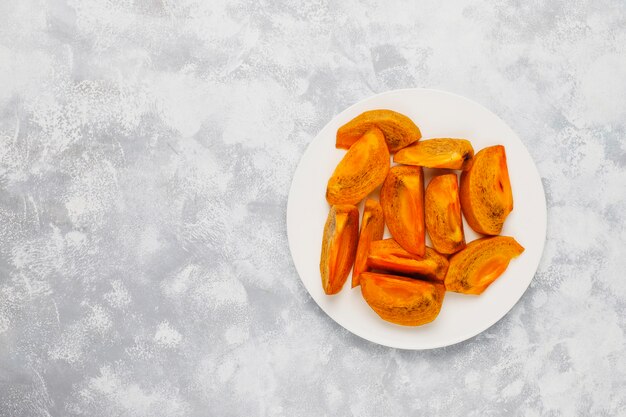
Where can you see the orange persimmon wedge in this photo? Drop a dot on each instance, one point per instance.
(474, 268)
(362, 169)
(437, 153)
(388, 255)
(341, 234)
(372, 228)
(399, 130)
(443, 214)
(400, 300)
(486, 196)
(402, 199)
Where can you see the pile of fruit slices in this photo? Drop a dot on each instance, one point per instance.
(402, 279)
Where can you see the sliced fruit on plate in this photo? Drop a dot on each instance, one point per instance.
(339, 243)
(372, 228)
(362, 169)
(402, 199)
(437, 153)
(388, 255)
(443, 214)
(401, 300)
(486, 195)
(399, 130)
(474, 268)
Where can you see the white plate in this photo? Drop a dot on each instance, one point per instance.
(438, 114)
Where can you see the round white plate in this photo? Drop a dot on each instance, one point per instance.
(438, 114)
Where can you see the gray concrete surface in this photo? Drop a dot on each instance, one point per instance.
(146, 149)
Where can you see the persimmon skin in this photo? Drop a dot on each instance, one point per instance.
(401, 300)
(398, 129)
(363, 168)
(388, 255)
(482, 261)
(437, 153)
(372, 229)
(443, 214)
(485, 192)
(402, 199)
(339, 243)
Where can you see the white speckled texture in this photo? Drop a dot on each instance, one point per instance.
(146, 149)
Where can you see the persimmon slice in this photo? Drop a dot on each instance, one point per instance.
(482, 261)
(486, 195)
(437, 153)
(443, 214)
(399, 130)
(402, 199)
(341, 234)
(372, 228)
(362, 169)
(388, 255)
(401, 300)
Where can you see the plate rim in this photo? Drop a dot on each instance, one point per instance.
(490, 322)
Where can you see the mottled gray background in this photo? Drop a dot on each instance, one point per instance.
(146, 149)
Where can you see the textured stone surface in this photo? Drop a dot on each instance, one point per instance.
(146, 149)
